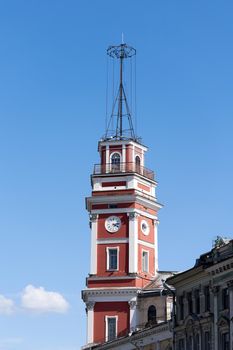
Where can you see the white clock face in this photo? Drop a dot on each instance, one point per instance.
(112, 224)
(145, 227)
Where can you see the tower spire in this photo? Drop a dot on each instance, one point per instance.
(120, 109)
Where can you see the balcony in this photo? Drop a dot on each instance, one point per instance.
(100, 169)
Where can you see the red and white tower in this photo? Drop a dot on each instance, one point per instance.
(123, 216)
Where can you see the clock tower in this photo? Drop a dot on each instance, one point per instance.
(123, 219)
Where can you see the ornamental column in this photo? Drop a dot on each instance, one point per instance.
(215, 291)
(133, 242)
(132, 314)
(90, 321)
(230, 287)
(94, 223)
(156, 223)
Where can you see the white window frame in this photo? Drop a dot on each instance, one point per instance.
(110, 159)
(106, 325)
(107, 251)
(148, 256)
(140, 158)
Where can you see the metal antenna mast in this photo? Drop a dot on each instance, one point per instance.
(121, 52)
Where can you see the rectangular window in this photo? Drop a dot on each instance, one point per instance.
(112, 206)
(190, 302)
(112, 258)
(180, 344)
(111, 327)
(225, 298)
(225, 341)
(197, 342)
(145, 261)
(181, 307)
(197, 301)
(190, 343)
(207, 341)
(207, 298)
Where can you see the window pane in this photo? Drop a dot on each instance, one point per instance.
(225, 341)
(190, 302)
(197, 301)
(115, 160)
(112, 259)
(225, 298)
(145, 261)
(151, 314)
(181, 306)
(207, 341)
(207, 298)
(111, 328)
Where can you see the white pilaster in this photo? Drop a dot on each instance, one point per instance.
(94, 223)
(107, 161)
(90, 321)
(230, 286)
(156, 223)
(133, 154)
(123, 154)
(133, 242)
(132, 314)
(143, 158)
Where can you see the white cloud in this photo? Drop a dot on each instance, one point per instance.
(6, 305)
(39, 300)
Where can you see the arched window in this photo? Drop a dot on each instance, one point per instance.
(151, 314)
(115, 161)
(138, 164)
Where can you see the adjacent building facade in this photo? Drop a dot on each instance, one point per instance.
(204, 301)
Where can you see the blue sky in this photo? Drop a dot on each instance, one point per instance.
(52, 114)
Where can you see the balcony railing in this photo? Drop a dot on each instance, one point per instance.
(123, 168)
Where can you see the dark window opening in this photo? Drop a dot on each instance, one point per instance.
(112, 206)
(207, 341)
(197, 301)
(207, 298)
(151, 315)
(138, 164)
(225, 341)
(190, 302)
(225, 298)
(180, 344)
(197, 342)
(181, 307)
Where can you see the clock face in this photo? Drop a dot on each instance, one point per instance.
(112, 224)
(145, 227)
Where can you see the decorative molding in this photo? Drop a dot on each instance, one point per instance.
(133, 215)
(230, 284)
(90, 305)
(146, 244)
(125, 210)
(93, 217)
(215, 290)
(112, 241)
(110, 292)
(132, 304)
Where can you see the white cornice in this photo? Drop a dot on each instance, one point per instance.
(141, 199)
(122, 142)
(124, 210)
(146, 244)
(112, 241)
